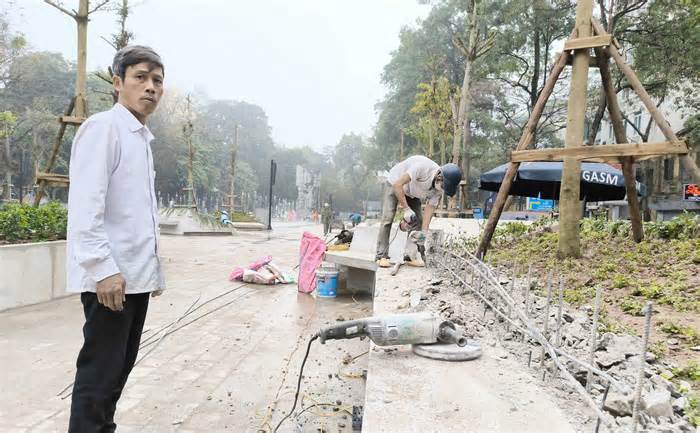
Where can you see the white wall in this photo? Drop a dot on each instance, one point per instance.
(32, 273)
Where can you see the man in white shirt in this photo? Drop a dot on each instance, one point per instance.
(113, 237)
(411, 181)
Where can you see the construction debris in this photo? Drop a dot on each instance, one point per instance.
(663, 404)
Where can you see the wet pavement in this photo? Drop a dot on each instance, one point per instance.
(229, 365)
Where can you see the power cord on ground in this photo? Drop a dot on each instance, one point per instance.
(301, 373)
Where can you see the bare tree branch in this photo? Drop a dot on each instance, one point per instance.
(515, 84)
(110, 43)
(99, 5)
(642, 135)
(61, 8)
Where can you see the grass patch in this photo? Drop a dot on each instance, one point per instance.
(632, 306)
(690, 372)
(687, 333)
(692, 409)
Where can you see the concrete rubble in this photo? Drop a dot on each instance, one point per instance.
(664, 403)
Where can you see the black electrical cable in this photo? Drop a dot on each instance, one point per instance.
(301, 372)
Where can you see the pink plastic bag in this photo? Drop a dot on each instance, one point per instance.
(237, 273)
(310, 256)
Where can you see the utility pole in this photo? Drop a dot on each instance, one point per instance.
(273, 175)
(569, 195)
(234, 149)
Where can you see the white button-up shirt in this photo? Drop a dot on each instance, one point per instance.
(112, 207)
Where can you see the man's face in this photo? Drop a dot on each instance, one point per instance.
(438, 181)
(141, 89)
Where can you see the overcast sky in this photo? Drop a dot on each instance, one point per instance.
(313, 65)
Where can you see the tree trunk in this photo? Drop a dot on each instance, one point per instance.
(465, 98)
(401, 147)
(466, 168)
(81, 79)
(595, 125)
(619, 128)
(8, 158)
(535, 80)
(569, 203)
(431, 141)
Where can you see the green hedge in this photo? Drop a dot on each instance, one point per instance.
(21, 223)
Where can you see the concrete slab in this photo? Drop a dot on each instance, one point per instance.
(408, 393)
(32, 273)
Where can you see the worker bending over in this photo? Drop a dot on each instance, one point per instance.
(411, 181)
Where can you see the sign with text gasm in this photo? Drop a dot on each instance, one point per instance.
(691, 192)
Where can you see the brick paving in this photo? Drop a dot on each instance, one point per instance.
(220, 373)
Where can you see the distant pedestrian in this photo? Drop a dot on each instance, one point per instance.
(326, 218)
(355, 219)
(113, 237)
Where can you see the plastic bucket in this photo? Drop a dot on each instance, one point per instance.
(326, 282)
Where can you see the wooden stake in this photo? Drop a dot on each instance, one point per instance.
(524, 143)
(569, 195)
(687, 162)
(619, 128)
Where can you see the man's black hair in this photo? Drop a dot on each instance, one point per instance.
(133, 55)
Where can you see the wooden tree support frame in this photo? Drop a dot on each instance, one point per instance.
(605, 47)
(588, 42)
(76, 112)
(610, 153)
(47, 178)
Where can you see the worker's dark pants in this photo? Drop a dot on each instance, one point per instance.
(109, 351)
(389, 204)
(326, 226)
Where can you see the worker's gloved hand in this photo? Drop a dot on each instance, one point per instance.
(409, 216)
(418, 237)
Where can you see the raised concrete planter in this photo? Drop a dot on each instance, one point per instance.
(32, 273)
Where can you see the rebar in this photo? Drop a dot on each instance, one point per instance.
(592, 342)
(535, 334)
(546, 315)
(559, 310)
(530, 326)
(642, 365)
(602, 406)
(527, 291)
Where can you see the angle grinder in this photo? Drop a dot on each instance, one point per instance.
(430, 336)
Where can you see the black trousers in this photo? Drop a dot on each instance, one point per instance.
(109, 351)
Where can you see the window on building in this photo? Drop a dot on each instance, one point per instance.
(668, 168)
(638, 120)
